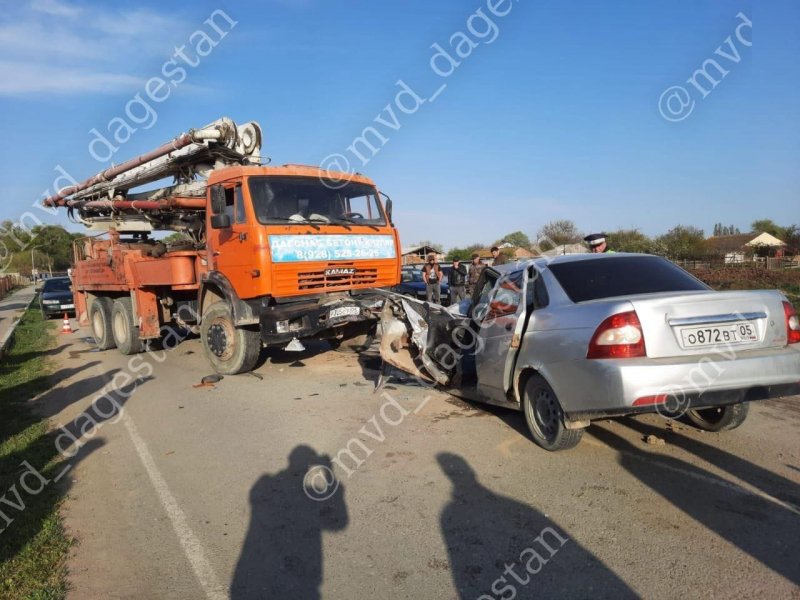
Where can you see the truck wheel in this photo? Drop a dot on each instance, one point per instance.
(124, 328)
(719, 418)
(545, 418)
(100, 318)
(229, 349)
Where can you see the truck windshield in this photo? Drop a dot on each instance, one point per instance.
(309, 200)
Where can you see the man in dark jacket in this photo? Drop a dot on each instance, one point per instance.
(475, 270)
(457, 279)
(499, 257)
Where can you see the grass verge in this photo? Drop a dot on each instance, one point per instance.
(33, 543)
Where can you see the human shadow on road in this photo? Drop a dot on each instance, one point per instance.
(766, 530)
(501, 548)
(757, 476)
(282, 552)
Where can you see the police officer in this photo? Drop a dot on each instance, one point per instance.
(597, 243)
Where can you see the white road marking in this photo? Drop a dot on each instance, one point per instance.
(189, 541)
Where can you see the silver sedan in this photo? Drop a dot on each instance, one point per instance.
(575, 338)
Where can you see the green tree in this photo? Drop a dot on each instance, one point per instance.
(517, 239)
(463, 254)
(632, 240)
(559, 232)
(768, 226)
(683, 242)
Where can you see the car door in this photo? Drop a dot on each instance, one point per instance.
(501, 321)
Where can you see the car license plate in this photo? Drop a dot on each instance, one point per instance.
(344, 311)
(742, 332)
(67, 306)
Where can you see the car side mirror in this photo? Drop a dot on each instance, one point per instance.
(217, 200)
(221, 221)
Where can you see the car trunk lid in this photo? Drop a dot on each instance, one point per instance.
(711, 322)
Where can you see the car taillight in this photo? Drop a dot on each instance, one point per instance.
(792, 324)
(619, 336)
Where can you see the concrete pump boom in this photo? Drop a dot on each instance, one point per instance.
(105, 196)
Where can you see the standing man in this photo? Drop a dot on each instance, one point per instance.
(597, 243)
(475, 270)
(432, 274)
(458, 278)
(499, 258)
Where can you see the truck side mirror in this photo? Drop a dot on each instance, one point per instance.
(217, 199)
(388, 205)
(221, 221)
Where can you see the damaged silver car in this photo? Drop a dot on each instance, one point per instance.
(581, 337)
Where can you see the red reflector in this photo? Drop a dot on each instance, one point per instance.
(647, 400)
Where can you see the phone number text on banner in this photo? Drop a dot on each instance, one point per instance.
(297, 248)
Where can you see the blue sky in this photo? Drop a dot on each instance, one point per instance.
(553, 114)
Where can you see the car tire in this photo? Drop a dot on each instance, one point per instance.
(100, 319)
(545, 418)
(228, 348)
(124, 327)
(719, 418)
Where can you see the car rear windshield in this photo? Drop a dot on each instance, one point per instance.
(612, 277)
(56, 285)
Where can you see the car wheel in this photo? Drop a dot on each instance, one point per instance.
(124, 328)
(228, 348)
(545, 418)
(719, 418)
(100, 318)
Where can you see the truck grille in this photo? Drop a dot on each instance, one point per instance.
(318, 280)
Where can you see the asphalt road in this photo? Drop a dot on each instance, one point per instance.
(193, 492)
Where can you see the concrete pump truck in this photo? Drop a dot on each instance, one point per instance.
(268, 256)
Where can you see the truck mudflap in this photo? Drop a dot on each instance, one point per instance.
(412, 334)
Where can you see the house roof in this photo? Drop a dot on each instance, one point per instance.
(765, 239)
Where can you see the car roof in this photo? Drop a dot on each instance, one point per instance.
(541, 262)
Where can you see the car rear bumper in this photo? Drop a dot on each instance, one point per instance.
(592, 388)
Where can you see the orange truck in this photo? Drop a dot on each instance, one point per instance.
(266, 256)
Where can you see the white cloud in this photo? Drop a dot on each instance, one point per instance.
(20, 78)
(53, 7)
(52, 46)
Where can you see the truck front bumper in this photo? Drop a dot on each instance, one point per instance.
(341, 318)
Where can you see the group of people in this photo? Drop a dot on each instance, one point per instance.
(463, 282)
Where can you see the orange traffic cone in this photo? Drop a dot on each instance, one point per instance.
(66, 328)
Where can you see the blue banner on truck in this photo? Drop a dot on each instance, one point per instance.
(299, 248)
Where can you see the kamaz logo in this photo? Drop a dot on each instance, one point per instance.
(340, 271)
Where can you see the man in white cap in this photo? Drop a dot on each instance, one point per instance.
(597, 243)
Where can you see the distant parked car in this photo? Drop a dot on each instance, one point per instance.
(56, 297)
(412, 284)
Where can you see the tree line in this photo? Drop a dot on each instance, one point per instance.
(48, 248)
(682, 242)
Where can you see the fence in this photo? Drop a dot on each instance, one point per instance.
(785, 262)
(9, 282)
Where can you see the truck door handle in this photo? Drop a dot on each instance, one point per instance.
(242, 236)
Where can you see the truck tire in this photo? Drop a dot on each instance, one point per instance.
(229, 349)
(100, 319)
(719, 418)
(545, 418)
(124, 327)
